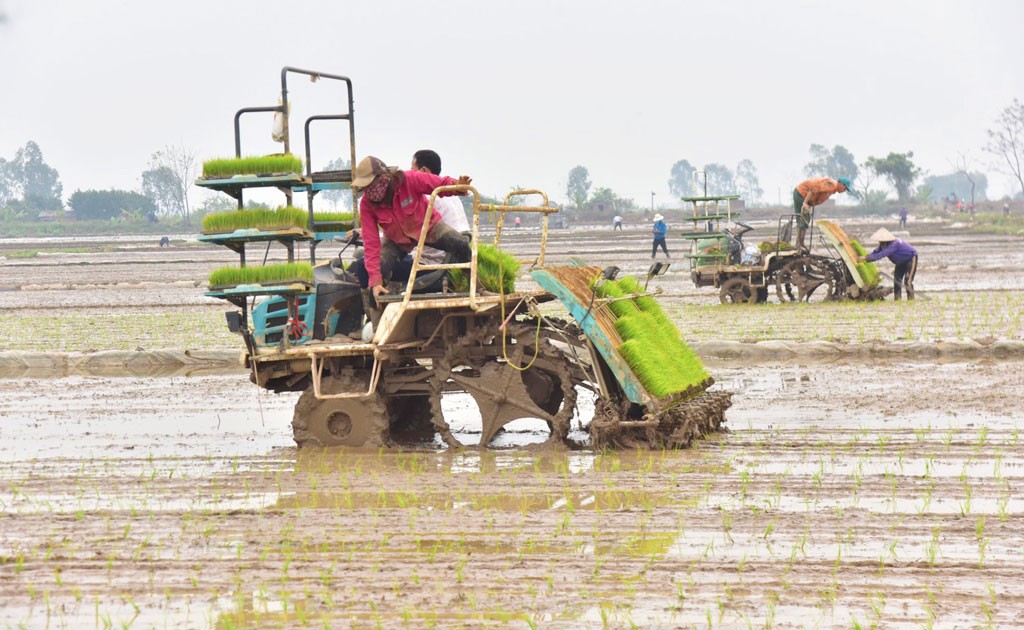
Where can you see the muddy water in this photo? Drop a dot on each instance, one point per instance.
(842, 494)
(846, 492)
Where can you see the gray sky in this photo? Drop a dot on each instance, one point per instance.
(516, 93)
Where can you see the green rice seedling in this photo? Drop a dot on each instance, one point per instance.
(618, 304)
(279, 218)
(652, 346)
(645, 303)
(230, 276)
(496, 271)
(252, 165)
(868, 270)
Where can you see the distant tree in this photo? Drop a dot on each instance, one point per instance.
(518, 200)
(875, 199)
(216, 202)
(838, 162)
(680, 183)
(6, 185)
(1006, 141)
(578, 186)
(29, 183)
(871, 199)
(720, 180)
(163, 186)
(956, 183)
(168, 177)
(605, 199)
(962, 165)
(924, 194)
(341, 196)
(109, 204)
(899, 170)
(747, 181)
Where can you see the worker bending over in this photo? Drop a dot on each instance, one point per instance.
(811, 193)
(902, 254)
(395, 203)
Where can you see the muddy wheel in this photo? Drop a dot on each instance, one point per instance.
(676, 426)
(503, 394)
(340, 422)
(738, 291)
(544, 389)
(410, 419)
(805, 280)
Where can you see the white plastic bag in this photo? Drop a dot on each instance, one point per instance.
(277, 129)
(751, 254)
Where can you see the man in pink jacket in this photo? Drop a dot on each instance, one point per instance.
(396, 202)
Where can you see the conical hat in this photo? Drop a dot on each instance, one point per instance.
(883, 236)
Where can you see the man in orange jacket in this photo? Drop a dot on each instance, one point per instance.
(811, 193)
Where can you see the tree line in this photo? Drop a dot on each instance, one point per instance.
(896, 170)
(30, 187)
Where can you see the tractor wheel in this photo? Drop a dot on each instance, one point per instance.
(349, 422)
(545, 390)
(738, 291)
(805, 280)
(411, 419)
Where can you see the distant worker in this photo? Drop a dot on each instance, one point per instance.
(518, 222)
(165, 242)
(395, 202)
(617, 223)
(659, 230)
(900, 253)
(903, 218)
(811, 193)
(1006, 208)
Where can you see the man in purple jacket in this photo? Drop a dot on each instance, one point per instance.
(900, 253)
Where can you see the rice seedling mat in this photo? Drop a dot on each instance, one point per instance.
(234, 185)
(282, 288)
(839, 239)
(257, 235)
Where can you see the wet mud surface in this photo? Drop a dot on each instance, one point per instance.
(840, 494)
(848, 490)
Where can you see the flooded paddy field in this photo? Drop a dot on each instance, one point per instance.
(846, 492)
(839, 495)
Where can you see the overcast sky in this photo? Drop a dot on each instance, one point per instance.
(516, 93)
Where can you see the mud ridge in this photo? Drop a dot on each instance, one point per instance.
(910, 350)
(117, 363)
(171, 361)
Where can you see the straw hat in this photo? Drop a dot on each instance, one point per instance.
(367, 170)
(883, 236)
(658, 217)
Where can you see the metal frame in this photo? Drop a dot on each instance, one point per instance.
(348, 115)
(394, 313)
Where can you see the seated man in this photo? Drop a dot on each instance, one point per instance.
(452, 213)
(395, 203)
(450, 208)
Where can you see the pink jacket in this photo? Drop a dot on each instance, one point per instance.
(401, 220)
